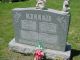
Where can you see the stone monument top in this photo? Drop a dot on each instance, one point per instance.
(66, 7)
(40, 4)
(49, 26)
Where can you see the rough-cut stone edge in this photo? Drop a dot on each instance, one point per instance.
(23, 48)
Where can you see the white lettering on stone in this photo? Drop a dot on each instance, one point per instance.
(28, 42)
(44, 17)
(35, 16)
(28, 24)
(49, 18)
(29, 35)
(17, 16)
(48, 38)
(47, 27)
(29, 16)
(38, 17)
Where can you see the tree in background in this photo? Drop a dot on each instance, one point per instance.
(4, 1)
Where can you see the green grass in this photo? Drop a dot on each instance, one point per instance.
(7, 31)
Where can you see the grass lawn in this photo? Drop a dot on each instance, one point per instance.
(7, 31)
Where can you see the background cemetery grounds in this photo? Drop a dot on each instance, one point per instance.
(7, 31)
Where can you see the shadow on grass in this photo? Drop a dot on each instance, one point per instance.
(74, 53)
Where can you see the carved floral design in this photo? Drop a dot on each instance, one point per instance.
(17, 16)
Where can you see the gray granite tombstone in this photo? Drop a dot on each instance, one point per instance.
(30, 25)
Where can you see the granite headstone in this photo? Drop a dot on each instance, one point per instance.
(50, 25)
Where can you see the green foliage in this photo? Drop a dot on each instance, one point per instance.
(4, 1)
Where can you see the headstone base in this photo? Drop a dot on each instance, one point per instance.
(22, 48)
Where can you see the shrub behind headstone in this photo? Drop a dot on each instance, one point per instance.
(12, 0)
